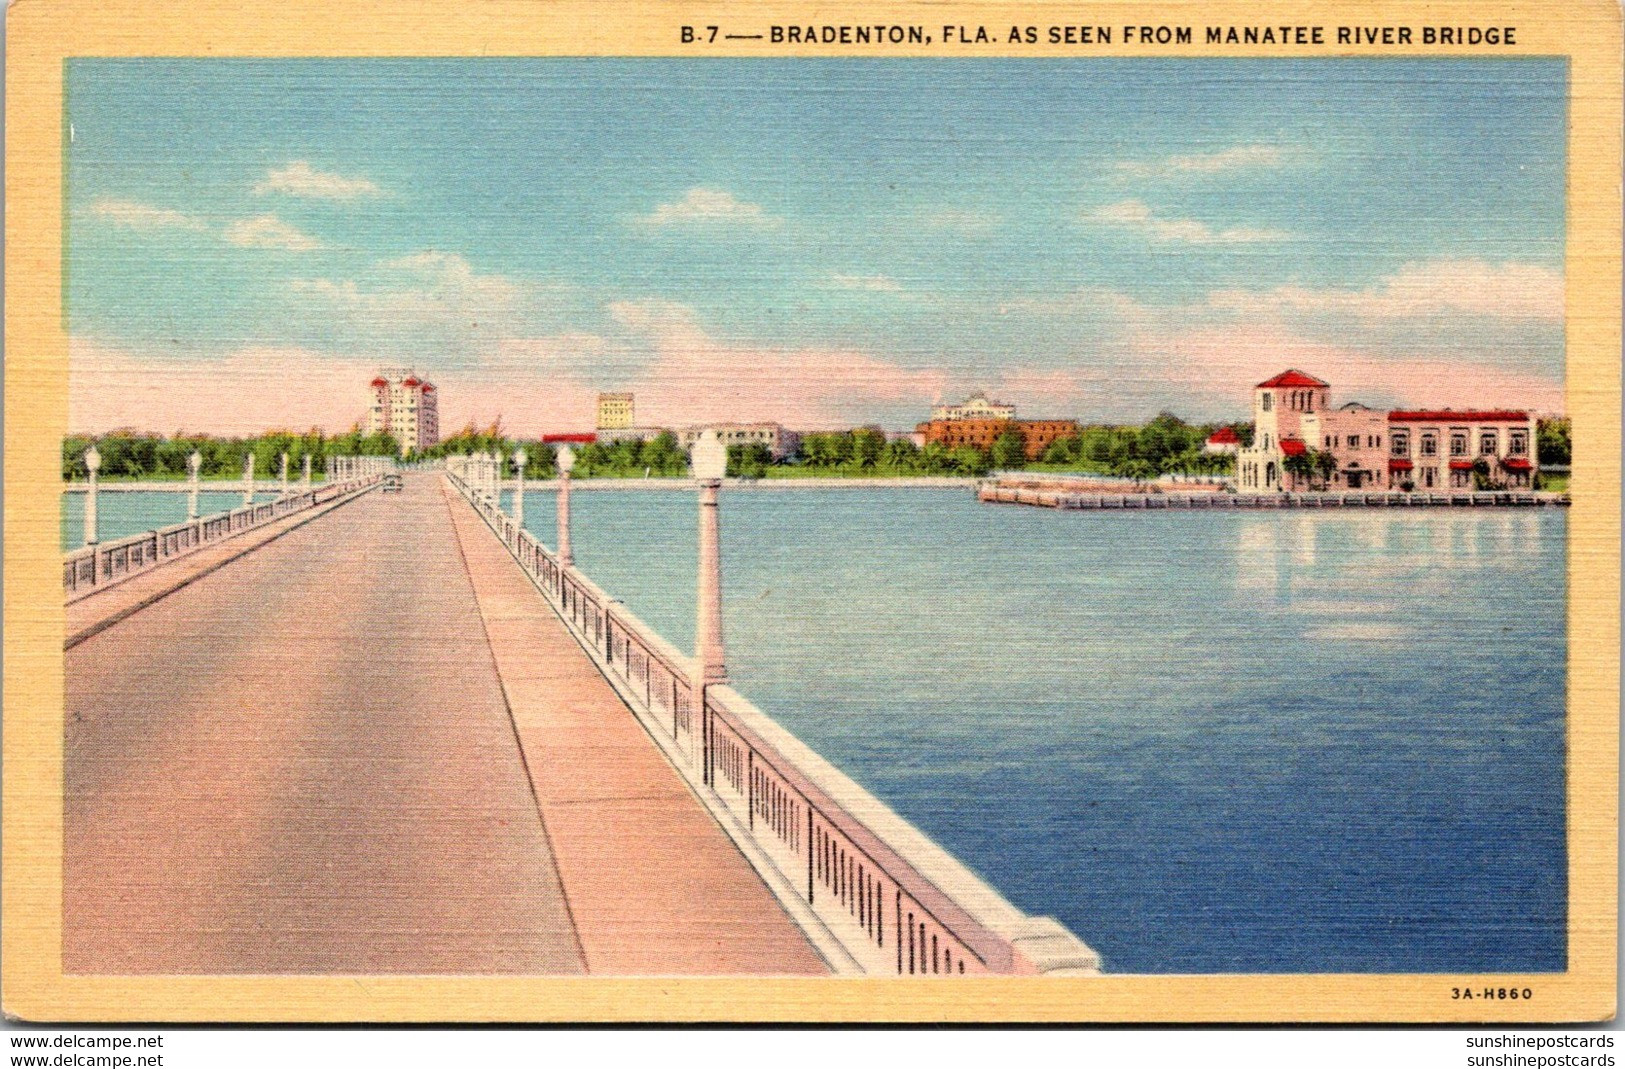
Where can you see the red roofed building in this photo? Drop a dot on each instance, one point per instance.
(406, 407)
(1422, 449)
(1453, 450)
(1279, 407)
(1224, 440)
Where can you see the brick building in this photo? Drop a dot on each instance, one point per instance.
(1037, 434)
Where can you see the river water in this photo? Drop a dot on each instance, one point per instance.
(1205, 741)
(122, 513)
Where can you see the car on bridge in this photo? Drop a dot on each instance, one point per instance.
(392, 484)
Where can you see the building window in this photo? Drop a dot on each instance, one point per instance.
(1430, 445)
(1518, 443)
(1328, 441)
(1266, 401)
(1354, 441)
(1401, 445)
(1458, 444)
(1486, 444)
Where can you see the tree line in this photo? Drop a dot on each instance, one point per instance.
(136, 455)
(1165, 445)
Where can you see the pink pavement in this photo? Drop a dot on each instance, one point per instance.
(654, 884)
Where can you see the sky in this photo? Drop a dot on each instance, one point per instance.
(823, 243)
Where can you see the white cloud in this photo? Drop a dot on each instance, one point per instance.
(703, 206)
(300, 179)
(137, 216)
(1231, 159)
(427, 288)
(269, 232)
(450, 275)
(694, 377)
(1136, 215)
(1419, 290)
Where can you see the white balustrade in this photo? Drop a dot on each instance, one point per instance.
(874, 894)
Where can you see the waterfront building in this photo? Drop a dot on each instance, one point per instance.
(405, 406)
(976, 406)
(1224, 441)
(779, 441)
(636, 434)
(1037, 434)
(617, 422)
(615, 411)
(1402, 449)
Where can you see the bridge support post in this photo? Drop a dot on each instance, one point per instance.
(284, 476)
(306, 479)
(248, 480)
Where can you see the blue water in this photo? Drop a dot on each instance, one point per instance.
(1206, 742)
(120, 514)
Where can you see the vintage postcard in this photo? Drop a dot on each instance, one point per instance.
(846, 512)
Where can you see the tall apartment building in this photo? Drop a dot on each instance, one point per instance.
(405, 406)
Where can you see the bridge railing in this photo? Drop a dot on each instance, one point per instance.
(92, 568)
(892, 901)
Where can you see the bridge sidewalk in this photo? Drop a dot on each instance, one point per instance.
(654, 885)
(98, 611)
(303, 763)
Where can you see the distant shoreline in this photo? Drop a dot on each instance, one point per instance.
(921, 482)
(181, 486)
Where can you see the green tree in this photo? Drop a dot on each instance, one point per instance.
(750, 461)
(868, 443)
(1010, 450)
(1324, 463)
(902, 455)
(1553, 441)
(1138, 469)
(1299, 465)
(969, 460)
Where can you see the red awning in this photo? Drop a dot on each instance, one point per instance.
(1399, 465)
(380, 383)
(1516, 464)
(1292, 447)
(1461, 465)
(572, 439)
(1291, 377)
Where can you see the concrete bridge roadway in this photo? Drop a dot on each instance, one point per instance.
(367, 746)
